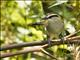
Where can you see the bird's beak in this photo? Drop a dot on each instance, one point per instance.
(44, 18)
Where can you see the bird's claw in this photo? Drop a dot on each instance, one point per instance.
(49, 42)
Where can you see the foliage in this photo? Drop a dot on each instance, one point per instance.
(16, 15)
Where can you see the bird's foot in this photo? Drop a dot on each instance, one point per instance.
(49, 42)
(62, 39)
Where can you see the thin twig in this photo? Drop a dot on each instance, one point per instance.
(47, 53)
(70, 35)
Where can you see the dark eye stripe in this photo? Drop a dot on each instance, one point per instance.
(52, 16)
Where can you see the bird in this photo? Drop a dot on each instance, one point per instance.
(54, 26)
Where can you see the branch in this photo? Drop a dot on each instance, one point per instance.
(74, 38)
(37, 49)
(47, 53)
(40, 48)
(27, 50)
(72, 34)
(7, 47)
(24, 51)
(54, 42)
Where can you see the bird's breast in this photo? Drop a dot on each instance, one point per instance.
(55, 27)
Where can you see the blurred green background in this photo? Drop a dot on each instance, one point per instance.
(16, 15)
